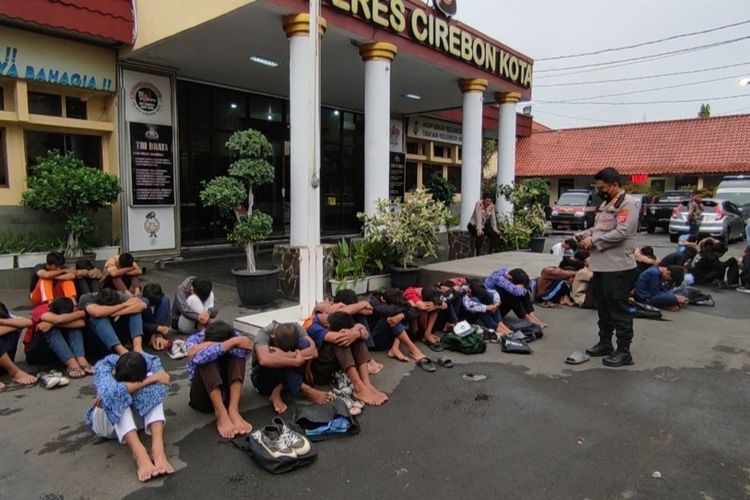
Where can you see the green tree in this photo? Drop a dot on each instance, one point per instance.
(705, 111)
(233, 194)
(63, 184)
(441, 189)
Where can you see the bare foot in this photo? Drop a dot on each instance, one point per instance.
(145, 469)
(23, 378)
(368, 397)
(278, 404)
(431, 338)
(2, 386)
(243, 426)
(373, 367)
(161, 463)
(319, 397)
(225, 426)
(397, 355)
(380, 395)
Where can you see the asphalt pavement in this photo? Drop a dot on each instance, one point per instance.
(674, 425)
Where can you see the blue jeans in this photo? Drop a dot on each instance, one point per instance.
(154, 317)
(112, 333)
(664, 299)
(61, 344)
(486, 319)
(383, 334)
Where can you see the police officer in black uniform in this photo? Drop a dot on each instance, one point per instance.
(610, 243)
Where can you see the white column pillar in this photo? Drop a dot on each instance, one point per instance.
(377, 57)
(506, 146)
(471, 163)
(304, 122)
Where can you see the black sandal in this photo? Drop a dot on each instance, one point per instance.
(427, 365)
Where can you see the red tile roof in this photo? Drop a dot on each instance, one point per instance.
(108, 20)
(699, 145)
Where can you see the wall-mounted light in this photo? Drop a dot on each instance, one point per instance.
(264, 61)
(413, 97)
(233, 105)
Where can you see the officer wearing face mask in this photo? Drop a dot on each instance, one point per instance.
(611, 246)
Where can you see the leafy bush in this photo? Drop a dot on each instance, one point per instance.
(63, 184)
(233, 194)
(441, 189)
(12, 242)
(529, 197)
(406, 227)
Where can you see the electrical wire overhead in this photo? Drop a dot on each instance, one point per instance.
(678, 85)
(641, 103)
(660, 55)
(644, 44)
(645, 77)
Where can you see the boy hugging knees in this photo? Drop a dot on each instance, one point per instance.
(114, 318)
(346, 301)
(216, 369)
(282, 352)
(341, 347)
(123, 274)
(429, 304)
(51, 280)
(130, 392)
(193, 306)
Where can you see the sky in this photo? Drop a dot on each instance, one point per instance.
(549, 28)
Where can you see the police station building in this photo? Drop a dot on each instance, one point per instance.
(195, 71)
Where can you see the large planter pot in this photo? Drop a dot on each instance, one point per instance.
(359, 286)
(27, 260)
(537, 245)
(104, 253)
(404, 277)
(257, 288)
(378, 282)
(7, 261)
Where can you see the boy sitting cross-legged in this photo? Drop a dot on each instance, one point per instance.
(281, 352)
(130, 392)
(216, 368)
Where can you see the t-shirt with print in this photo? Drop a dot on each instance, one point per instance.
(87, 299)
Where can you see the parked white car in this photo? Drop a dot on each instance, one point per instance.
(721, 219)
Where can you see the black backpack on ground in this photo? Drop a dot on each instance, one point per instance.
(644, 311)
(307, 418)
(697, 298)
(531, 331)
(274, 465)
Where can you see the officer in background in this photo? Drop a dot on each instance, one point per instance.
(611, 245)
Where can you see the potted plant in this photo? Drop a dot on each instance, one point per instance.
(378, 259)
(406, 227)
(349, 269)
(529, 197)
(232, 195)
(63, 184)
(7, 250)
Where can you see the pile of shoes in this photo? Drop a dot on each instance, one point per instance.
(343, 389)
(278, 448)
(52, 379)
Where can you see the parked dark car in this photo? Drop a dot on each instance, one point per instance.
(659, 211)
(576, 208)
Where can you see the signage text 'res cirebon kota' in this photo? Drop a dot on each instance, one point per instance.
(442, 34)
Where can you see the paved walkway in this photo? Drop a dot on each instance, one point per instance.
(536, 428)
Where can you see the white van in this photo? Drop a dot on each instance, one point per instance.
(736, 188)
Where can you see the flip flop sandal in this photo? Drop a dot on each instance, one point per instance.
(427, 365)
(439, 347)
(445, 362)
(577, 358)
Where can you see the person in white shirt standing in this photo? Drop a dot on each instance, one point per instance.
(483, 223)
